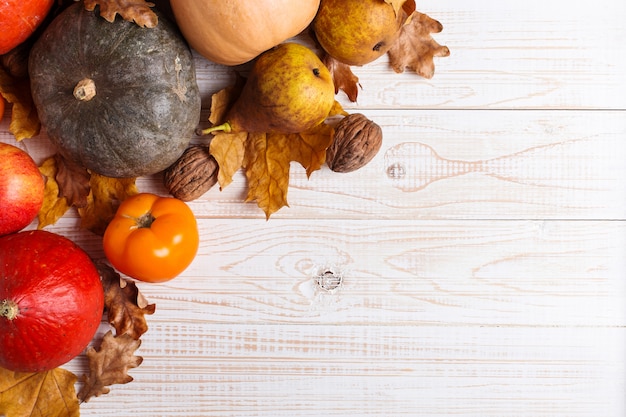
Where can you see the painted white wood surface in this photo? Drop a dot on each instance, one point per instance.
(482, 251)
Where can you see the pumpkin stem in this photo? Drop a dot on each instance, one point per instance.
(9, 309)
(225, 127)
(85, 90)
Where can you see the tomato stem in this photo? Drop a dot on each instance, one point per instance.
(145, 221)
(9, 309)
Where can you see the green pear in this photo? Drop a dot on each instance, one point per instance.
(356, 32)
(289, 90)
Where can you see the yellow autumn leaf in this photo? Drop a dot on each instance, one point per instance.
(103, 200)
(267, 163)
(54, 206)
(228, 149)
(266, 157)
(337, 110)
(24, 118)
(41, 394)
(311, 149)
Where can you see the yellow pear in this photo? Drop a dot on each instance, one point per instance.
(289, 90)
(356, 32)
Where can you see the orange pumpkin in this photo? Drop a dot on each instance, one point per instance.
(19, 19)
(232, 32)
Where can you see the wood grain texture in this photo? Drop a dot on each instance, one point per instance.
(477, 262)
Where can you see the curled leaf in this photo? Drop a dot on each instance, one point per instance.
(343, 77)
(137, 11)
(415, 48)
(125, 306)
(54, 204)
(49, 393)
(24, 118)
(109, 365)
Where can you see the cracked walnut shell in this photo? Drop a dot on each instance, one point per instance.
(356, 141)
(192, 175)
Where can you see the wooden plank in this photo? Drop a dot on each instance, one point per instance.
(465, 164)
(476, 273)
(199, 368)
(470, 164)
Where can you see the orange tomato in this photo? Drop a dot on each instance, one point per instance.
(19, 19)
(151, 238)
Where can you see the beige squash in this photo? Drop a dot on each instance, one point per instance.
(232, 32)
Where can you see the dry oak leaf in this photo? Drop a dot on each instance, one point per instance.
(109, 365)
(103, 200)
(125, 306)
(137, 11)
(24, 118)
(415, 48)
(40, 394)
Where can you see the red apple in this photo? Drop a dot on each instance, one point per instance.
(21, 189)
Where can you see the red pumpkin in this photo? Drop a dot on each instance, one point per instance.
(51, 301)
(19, 19)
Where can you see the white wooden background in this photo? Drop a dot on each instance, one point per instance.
(482, 251)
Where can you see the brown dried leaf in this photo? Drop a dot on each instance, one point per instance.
(109, 365)
(125, 306)
(343, 77)
(103, 200)
(415, 48)
(137, 11)
(73, 181)
(49, 394)
(54, 205)
(24, 118)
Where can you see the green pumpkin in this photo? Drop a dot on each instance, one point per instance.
(116, 98)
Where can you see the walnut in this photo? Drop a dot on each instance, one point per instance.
(357, 140)
(192, 175)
